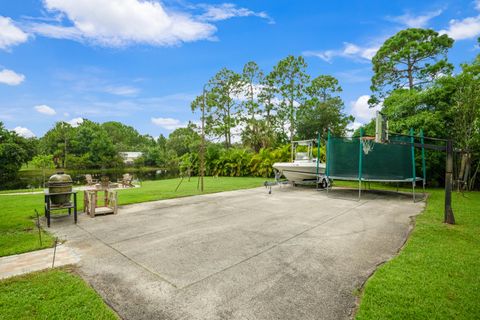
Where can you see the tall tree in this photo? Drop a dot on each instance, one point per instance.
(57, 142)
(410, 59)
(267, 97)
(466, 129)
(127, 138)
(323, 109)
(91, 142)
(13, 155)
(249, 111)
(251, 78)
(222, 100)
(290, 79)
(184, 140)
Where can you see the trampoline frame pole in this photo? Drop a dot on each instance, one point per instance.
(424, 169)
(360, 156)
(318, 156)
(412, 140)
(327, 160)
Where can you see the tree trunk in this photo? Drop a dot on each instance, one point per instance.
(228, 128)
(474, 177)
(466, 175)
(65, 154)
(448, 212)
(462, 166)
(410, 74)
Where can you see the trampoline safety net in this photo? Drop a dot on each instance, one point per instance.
(383, 162)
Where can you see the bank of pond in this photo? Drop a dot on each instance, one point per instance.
(34, 178)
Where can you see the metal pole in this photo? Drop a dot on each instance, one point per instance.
(414, 174)
(449, 217)
(318, 157)
(318, 151)
(424, 169)
(202, 144)
(54, 251)
(360, 156)
(327, 159)
(38, 227)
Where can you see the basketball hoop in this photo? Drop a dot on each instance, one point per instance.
(367, 144)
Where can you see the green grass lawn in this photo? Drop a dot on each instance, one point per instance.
(437, 274)
(52, 294)
(17, 229)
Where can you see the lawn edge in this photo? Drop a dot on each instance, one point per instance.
(72, 269)
(411, 226)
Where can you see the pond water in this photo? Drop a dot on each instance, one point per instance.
(34, 178)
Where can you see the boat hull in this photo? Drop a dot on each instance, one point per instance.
(299, 172)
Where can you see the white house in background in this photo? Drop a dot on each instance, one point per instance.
(130, 157)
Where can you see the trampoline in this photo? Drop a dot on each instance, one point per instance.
(365, 159)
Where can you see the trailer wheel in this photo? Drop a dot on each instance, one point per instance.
(324, 184)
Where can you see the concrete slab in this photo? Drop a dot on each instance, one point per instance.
(36, 260)
(294, 254)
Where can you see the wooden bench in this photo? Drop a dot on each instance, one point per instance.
(91, 206)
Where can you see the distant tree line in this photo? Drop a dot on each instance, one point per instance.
(15, 151)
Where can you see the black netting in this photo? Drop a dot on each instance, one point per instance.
(385, 161)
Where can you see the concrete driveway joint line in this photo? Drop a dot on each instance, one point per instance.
(275, 245)
(131, 260)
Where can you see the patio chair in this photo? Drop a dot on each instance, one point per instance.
(105, 182)
(126, 180)
(90, 180)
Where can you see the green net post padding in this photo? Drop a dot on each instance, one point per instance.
(327, 158)
(424, 170)
(318, 152)
(412, 140)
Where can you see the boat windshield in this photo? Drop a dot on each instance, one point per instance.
(302, 156)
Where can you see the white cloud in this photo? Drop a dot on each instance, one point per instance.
(365, 53)
(75, 122)
(169, 123)
(118, 23)
(10, 35)
(45, 110)
(467, 28)
(24, 132)
(351, 127)
(121, 90)
(226, 11)
(349, 50)
(361, 109)
(412, 21)
(11, 78)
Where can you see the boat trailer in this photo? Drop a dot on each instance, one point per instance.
(322, 182)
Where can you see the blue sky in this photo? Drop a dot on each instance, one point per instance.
(142, 62)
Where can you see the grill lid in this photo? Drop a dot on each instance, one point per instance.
(60, 179)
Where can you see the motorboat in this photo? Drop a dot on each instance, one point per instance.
(304, 167)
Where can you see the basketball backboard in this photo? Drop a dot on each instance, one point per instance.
(381, 128)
